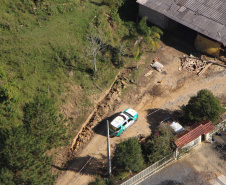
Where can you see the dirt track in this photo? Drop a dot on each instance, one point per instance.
(146, 96)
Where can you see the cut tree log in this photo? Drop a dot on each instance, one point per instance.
(215, 63)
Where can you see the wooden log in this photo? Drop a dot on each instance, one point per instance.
(212, 62)
(204, 69)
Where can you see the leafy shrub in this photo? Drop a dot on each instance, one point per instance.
(159, 145)
(101, 181)
(128, 156)
(202, 106)
(122, 174)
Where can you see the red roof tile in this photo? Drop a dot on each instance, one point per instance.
(198, 129)
(208, 127)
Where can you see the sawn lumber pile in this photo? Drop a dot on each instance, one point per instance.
(191, 63)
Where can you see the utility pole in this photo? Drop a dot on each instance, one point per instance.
(108, 148)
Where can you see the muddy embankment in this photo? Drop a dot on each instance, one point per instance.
(107, 104)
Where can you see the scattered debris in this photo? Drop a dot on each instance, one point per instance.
(157, 65)
(148, 73)
(132, 81)
(191, 63)
(200, 65)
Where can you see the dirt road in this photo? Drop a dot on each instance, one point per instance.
(146, 96)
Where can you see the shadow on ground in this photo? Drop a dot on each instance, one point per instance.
(155, 116)
(171, 182)
(219, 145)
(101, 127)
(182, 39)
(86, 165)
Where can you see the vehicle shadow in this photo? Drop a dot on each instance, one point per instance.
(101, 127)
(155, 116)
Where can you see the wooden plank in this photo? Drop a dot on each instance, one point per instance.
(216, 63)
(148, 73)
(204, 69)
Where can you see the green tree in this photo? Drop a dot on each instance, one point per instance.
(202, 106)
(128, 155)
(41, 121)
(23, 157)
(159, 145)
(145, 35)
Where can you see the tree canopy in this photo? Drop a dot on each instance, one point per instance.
(159, 145)
(23, 157)
(128, 155)
(203, 106)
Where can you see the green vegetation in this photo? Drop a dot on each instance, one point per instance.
(45, 50)
(132, 156)
(23, 148)
(128, 156)
(159, 145)
(101, 181)
(203, 106)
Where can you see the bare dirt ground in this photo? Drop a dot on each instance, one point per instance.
(145, 96)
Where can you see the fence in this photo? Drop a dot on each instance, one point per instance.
(218, 127)
(151, 169)
(156, 166)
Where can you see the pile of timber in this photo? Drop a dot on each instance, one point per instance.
(191, 63)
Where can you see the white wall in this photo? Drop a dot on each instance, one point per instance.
(153, 16)
(194, 142)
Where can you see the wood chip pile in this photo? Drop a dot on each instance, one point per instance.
(191, 63)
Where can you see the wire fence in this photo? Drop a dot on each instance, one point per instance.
(149, 170)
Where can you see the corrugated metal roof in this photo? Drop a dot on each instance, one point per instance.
(205, 16)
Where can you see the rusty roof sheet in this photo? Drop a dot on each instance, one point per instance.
(204, 16)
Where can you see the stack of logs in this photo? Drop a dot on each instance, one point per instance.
(191, 63)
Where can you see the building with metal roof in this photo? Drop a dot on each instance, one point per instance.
(207, 17)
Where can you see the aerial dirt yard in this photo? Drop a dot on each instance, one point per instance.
(152, 100)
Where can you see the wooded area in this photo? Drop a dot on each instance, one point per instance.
(44, 53)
